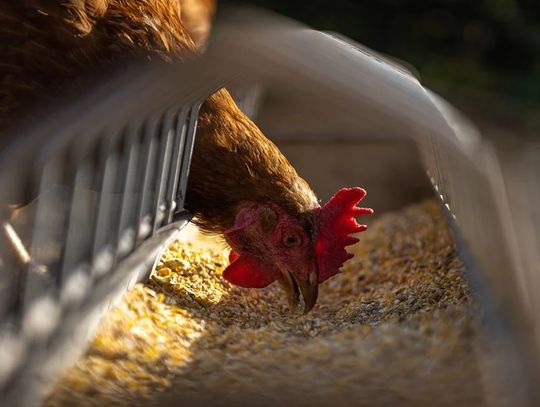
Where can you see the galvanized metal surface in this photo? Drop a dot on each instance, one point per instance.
(322, 87)
(97, 198)
(122, 165)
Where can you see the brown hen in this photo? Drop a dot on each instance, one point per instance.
(240, 185)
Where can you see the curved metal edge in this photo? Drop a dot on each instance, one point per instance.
(503, 350)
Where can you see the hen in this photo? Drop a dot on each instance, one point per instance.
(240, 185)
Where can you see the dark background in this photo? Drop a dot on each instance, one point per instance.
(481, 55)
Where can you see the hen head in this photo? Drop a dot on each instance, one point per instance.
(269, 244)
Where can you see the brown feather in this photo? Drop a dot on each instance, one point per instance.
(197, 18)
(48, 43)
(233, 162)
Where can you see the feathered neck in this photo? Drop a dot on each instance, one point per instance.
(233, 163)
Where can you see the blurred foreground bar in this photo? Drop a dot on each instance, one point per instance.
(106, 186)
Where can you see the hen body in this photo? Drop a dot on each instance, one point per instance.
(240, 185)
(50, 43)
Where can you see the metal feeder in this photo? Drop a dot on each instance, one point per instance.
(104, 177)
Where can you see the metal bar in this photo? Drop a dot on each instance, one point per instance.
(103, 252)
(118, 197)
(186, 156)
(47, 232)
(78, 240)
(127, 229)
(144, 226)
(163, 170)
(18, 189)
(180, 131)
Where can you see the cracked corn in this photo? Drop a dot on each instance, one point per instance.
(396, 327)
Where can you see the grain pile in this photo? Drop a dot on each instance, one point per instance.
(395, 328)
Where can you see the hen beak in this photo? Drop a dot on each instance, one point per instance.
(295, 286)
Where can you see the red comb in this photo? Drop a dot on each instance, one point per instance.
(336, 223)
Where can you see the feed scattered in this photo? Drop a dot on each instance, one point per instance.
(396, 327)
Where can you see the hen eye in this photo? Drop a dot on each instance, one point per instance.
(291, 240)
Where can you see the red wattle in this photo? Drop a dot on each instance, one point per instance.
(232, 256)
(249, 273)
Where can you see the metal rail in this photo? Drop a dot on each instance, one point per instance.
(336, 87)
(110, 172)
(96, 202)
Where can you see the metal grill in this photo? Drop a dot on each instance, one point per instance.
(493, 204)
(94, 207)
(110, 173)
